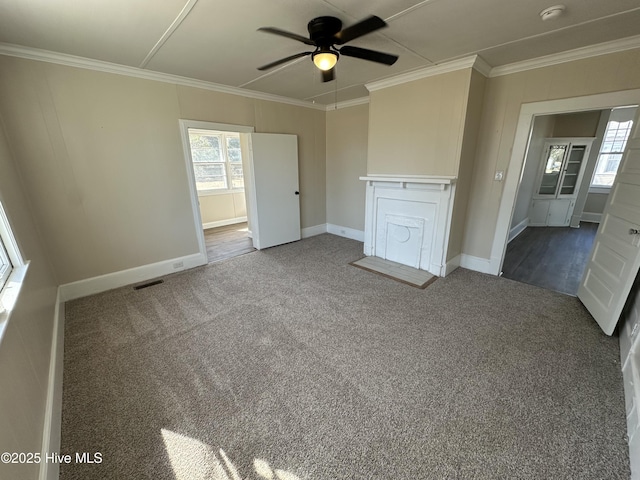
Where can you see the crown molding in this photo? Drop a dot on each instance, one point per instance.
(614, 46)
(482, 66)
(474, 61)
(347, 103)
(117, 69)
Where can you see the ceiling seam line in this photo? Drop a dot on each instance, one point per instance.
(271, 72)
(407, 10)
(310, 99)
(390, 19)
(169, 31)
(568, 27)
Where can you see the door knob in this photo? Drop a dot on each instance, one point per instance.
(634, 231)
(296, 192)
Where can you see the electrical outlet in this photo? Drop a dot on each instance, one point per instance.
(178, 265)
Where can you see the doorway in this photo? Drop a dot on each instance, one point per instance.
(216, 162)
(542, 249)
(528, 114)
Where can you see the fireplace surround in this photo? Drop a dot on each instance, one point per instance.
(408, 219)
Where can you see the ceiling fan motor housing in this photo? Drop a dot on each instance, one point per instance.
(324, 34)
(322, 30)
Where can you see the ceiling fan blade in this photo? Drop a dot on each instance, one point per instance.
(368, 25)
(370, 55)
(328, 75)
(283, 60)
(284, 33)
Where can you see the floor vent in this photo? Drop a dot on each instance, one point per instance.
(150, 284)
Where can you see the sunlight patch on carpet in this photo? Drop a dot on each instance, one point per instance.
(192, 459)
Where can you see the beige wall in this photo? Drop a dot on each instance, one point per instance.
(467, 156)
(416, 128)
(542, 128)
(595, 202)
(25, 346)
(102, 161)
(347, 136)
(583, 124)
(503, 99)
(222, 207)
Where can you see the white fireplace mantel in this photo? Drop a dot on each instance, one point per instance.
(408, 219)
(403, 179)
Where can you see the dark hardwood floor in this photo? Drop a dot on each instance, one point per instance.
(227, 242)
(550, 257)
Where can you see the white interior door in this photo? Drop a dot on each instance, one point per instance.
(615, 257)
(273, 189)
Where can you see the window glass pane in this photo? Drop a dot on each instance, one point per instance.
(5, 265)
(233, 149)
(615, 141)
(205, 147)
(606, 169)
(216, 158)
(237, 179)
(210, 176)
(551, 174)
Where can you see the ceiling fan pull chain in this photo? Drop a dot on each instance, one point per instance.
(336, 92)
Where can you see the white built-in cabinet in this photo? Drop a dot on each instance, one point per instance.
(559, 177)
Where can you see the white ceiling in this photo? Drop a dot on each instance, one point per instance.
(217, 40)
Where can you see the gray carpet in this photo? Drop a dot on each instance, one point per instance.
(291, 364)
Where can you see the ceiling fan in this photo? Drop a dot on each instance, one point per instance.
(324, 34)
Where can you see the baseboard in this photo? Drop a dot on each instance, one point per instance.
(102, 283)
(518, 229)
(452, 265)
(482, 265)
(53, 409)
(591, 217)
(575, 221)
(346, 232)
(313, 231)
(222, 223)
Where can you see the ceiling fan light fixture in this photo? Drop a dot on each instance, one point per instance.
(325, 60)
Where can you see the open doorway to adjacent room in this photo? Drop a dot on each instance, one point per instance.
(570, 165)
(217, 161)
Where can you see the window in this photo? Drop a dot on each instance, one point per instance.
(12, 271)
(217, 160)
(5, 265)
(613, 145)
(10, 257)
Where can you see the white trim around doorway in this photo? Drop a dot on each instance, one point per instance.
(525, 121)
(195, 203)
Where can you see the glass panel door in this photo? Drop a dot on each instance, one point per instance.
(572, 169)
(552, 169)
